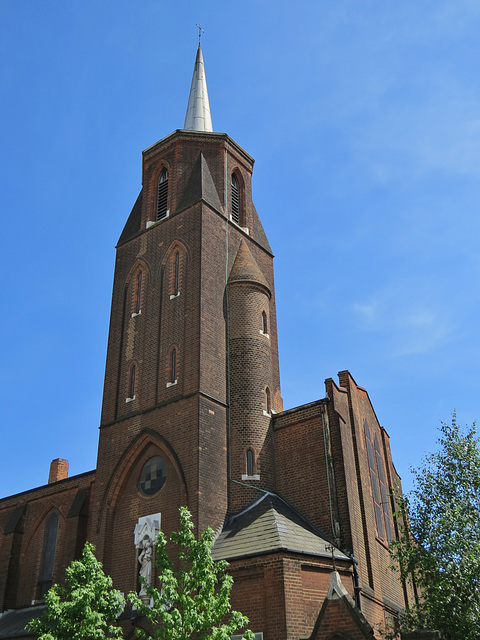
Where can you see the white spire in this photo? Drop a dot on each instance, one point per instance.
(198, 116)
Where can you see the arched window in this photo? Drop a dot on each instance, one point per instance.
(173, 368)
(378, 483)
(267, 401)
(176, 281)
(264, 323)
(235, 213)
(250, 460)
(162, 195)
(131, 382)
(383, 488)
(48, 555)
(137, 306)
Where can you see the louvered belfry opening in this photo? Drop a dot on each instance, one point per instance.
(235, 200)
(162, 195)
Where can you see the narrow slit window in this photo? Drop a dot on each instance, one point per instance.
(264, 322)
(235, 200)
(131, 383)
(249, 462)
(268, 406)
(162, 195)
(173, 376)
(177, 274)
(138, 294)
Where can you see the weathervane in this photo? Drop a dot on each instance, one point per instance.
(200, 31)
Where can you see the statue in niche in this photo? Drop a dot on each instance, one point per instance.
(146, 531)
(145, 559)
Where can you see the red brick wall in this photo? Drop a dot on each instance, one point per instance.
(21, 549)
(301, 465)
(194, 323)
(282, 593)
(382, 588)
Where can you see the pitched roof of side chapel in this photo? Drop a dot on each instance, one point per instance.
(270, 525)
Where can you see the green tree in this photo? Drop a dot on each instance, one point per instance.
(193, 601)
(86, 608)
(439, 542)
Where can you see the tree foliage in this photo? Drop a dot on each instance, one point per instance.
(86, 608)
(193, 600)
(439, 543)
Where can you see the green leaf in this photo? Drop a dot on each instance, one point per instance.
(439, 536)
(193, 600)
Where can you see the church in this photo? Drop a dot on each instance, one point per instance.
(300, 499)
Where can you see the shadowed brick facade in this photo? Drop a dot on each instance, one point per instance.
(192, 379)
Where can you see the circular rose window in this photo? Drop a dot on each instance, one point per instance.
(153, 476)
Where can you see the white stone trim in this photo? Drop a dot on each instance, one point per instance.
(150, 223)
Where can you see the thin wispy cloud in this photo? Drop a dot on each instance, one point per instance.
(409, 321)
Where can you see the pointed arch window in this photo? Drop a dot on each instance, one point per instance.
(176, 277)
(137, 306)
(378, 484)
(383, 488)
(162, 195)
(173, 377)
(250, 460)
(264, 323)
(235, 213)
(48, 555)
(267, 403)
(173, 368)
(132, 381)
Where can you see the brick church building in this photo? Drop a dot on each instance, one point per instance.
(193, 415)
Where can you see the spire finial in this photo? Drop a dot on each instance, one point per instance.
(198, 116)
(200, 31)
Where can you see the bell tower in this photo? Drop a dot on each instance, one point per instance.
(192, 373)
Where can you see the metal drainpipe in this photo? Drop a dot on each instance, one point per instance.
(356, 584)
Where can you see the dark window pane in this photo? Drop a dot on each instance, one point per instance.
(153, 476)
(235, 200)
(162, 195)
(49, 549)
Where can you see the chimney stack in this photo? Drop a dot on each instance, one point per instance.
(58, 470)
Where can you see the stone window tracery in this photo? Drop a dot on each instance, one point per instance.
(378, 484)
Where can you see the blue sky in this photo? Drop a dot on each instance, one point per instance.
(364, 120)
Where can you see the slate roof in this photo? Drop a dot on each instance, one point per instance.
(132, 226)
(200, 185)
(13, 623)
(269, 525)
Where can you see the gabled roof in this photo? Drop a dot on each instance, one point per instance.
(340, 613)
(269, 525)
(132, 226)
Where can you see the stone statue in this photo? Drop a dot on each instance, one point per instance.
(146, 532)
(145, 559)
